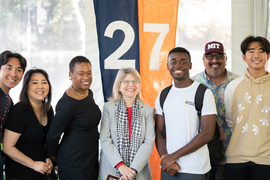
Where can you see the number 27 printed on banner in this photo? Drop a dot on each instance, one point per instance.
(114, 62)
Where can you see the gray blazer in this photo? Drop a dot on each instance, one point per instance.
(110, 157)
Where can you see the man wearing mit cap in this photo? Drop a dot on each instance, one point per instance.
(216, 77)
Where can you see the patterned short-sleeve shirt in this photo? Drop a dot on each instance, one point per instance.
(218, 92)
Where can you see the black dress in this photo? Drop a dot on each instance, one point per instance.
(31, 142)
(77, 154)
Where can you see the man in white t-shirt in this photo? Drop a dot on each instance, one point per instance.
(184, 153)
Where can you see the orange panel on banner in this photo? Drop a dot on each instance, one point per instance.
(157, 33)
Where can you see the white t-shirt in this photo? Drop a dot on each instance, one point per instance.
(182, 125)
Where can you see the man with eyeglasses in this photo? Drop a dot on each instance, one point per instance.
(216, 77)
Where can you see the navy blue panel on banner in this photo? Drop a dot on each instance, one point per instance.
(118, 38)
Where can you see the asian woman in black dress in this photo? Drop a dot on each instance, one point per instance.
(77, 116)
(26, 127)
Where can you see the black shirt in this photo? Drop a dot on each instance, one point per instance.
(31, 142)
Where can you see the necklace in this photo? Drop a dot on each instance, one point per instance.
(77, 92)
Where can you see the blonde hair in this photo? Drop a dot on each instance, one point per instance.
(116, 94)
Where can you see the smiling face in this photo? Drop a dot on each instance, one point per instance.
(38, 88)
(255, 57)
(179, 65)
(10, 74)
(129, 91)
(81, 77)
(216, 66)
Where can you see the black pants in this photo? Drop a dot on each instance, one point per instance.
(246, 171)
(216, 172)
(10, 178)
(183, 176)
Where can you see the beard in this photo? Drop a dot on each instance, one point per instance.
(213, 72)
(216, 73)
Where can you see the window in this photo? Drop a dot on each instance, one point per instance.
(47, 33)
(200, 22)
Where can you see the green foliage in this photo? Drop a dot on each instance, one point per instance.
(49, 21)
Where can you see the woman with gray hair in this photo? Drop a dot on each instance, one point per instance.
(127, 130)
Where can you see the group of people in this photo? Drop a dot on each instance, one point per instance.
(31, 131)
(235, 109)
(238, 107)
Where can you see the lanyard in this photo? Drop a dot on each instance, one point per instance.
(2, 117)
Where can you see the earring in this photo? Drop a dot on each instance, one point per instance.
(70, 78)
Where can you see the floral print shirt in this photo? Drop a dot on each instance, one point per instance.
(218, 92)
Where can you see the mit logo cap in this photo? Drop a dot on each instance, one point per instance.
(214, 46)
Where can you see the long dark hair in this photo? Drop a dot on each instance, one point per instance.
(23, 95)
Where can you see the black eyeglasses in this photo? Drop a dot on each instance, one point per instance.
(211, 56)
